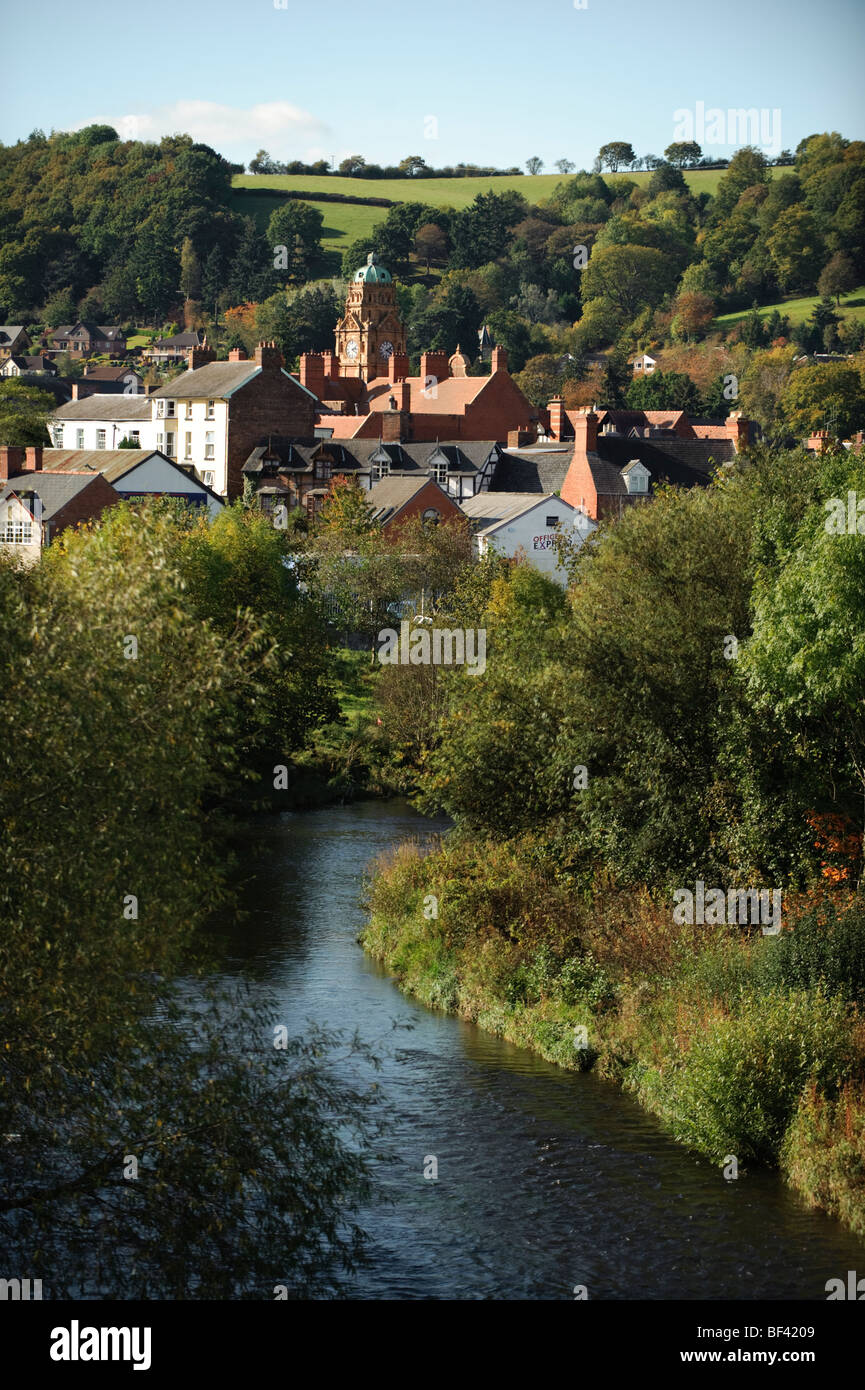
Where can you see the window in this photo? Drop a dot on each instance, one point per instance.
(187, 450)
(79, 439)
(322, 469)
(135, 437)
(207, 478)
(100, 439)
(431, 517)
(57, 436)
(171, 409)
(552, 521)
(440, 472)
(18, 532)
(211, 411)
(210, 444)
(169, 443)
(189, 410)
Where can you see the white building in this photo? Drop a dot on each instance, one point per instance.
(102, 421)
(525, 525)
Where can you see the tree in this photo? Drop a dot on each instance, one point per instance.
(565, 166)
(261, 163)
(828, 396)
(24, 412)
(616, 153)
(297, 227)
(155, 265)
(352, 165)
(837, 277)
(795, 246)
(683, 152)
(431, 244)
(251, 273)
(413, 165)
(666, 178)
(629, 277)
(190, 271)
(693, 314)
(480, 233)
(534, 165)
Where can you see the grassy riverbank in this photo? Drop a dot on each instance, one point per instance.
(742, 1045)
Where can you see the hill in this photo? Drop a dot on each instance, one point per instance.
(798, 310)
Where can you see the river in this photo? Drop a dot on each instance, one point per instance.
(547, 1179)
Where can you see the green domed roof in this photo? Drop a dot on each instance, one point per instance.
(373, 272)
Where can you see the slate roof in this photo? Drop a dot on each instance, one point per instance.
(298, 456)
(494, 507)
(391, 494)
(110, 332)
(33, 364)
(113, 464)
(9, 332)
(540, 470)
(214, 381)
(662, 462)
(106, 407)
(108, 373)
(54, 489)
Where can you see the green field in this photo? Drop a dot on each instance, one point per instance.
(797, 310)
(343, 222)
(457, 193)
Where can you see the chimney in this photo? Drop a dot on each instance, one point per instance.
(434, 364)
(556, 410)
(518, 439)
(199, 356)
(269, 357)
(312, 372)
(499, 360)
(585, 431)
(818, 443)
(11, 461)
(331, 365)
(33, 458)
(396, 420)
(738, 429)
(397, 368)
(237, 355)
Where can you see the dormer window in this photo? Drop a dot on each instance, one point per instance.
(636, 477)
(439, 471)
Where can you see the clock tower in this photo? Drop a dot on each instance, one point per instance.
(371, 330)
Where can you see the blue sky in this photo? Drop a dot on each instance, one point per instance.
(495, 80)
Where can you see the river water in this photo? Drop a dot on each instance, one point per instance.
(547, 1179)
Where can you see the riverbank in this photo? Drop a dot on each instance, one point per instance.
(747, 1047)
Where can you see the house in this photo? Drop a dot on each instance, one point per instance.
(521, 525)
(17, 366)
(135, 474)
(216, 413)
(110, 379)
(621, 464)
(643, 365)
(102, 421)
(299, 472)
(36, 506)
(85, 339)
(14, 340)
(174, 349)
(394, 500)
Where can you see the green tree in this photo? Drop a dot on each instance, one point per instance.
(683, 152)
(837, 277)
(827, 396)
(616, 153)
(24, 412)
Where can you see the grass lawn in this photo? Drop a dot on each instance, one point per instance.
(797, 310)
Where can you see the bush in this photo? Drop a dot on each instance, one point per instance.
(828, 954)
(738, 1086)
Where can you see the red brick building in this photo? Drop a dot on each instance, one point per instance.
(620, 457)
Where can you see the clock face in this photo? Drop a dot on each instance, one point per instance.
(351, 349)
(386, 349)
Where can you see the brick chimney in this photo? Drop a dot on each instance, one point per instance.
(499, 360)
(312, 373)
(396, 420)
(331, 365)
(33, 459)
(397, 367)
(818, 443)
(556, 410)
(11, 461)
(738, 429)
(237, 355)
(199, 356)
(268, 357)
(585, 431)
(518, 439)
(434, 364)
